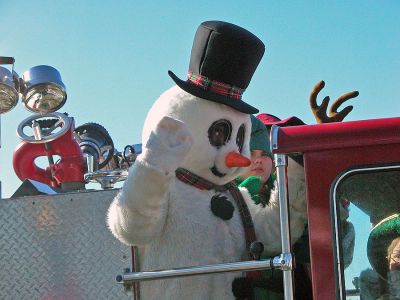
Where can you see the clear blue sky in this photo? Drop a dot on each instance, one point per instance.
(114, 56)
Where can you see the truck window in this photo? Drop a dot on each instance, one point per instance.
(365, 204)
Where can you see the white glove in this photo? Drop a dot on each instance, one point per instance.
(167, 145)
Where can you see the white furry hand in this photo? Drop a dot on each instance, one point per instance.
(168, 144)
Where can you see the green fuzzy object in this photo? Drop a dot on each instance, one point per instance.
(252, 184)
(259, 193)
(379, 240)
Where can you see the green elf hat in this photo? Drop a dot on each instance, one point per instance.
(259, 139)
(379, 240)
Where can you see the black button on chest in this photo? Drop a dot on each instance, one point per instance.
(221, 207)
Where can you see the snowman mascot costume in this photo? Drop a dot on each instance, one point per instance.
(178, 204)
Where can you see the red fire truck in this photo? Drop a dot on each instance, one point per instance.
(58, 246)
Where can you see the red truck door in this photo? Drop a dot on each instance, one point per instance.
(350, 163)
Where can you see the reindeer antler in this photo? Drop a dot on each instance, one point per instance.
(320, 112)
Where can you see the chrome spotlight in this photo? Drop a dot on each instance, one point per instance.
(8, 90)
(42, 89)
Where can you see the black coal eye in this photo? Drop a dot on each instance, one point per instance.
(219, 133)
(240, 138)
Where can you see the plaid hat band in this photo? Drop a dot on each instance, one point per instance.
(217, 87)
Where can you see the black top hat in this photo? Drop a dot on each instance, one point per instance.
(223, 60)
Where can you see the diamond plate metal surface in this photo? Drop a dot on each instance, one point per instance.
(58, 247)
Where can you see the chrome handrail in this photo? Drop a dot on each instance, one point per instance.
(281, 163)
(282, 262)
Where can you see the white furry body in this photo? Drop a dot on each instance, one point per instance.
(172, 221)
(187, 234)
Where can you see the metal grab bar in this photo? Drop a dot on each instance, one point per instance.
(281, 163)
(282, 262)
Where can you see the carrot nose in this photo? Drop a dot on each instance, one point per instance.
(234, 159)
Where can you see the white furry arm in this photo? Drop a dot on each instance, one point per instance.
(267, 220)
(138, 212)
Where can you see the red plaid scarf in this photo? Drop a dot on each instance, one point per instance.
(215, 86)
(203, 184)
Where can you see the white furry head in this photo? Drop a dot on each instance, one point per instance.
(199, 114)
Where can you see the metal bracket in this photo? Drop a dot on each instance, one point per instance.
(129, 288)
(274, 137)
(286, 262)
(280, 160)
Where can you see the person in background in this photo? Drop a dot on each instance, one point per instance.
(383, 251)
(260, 181)
(369, 284)
(394, 255)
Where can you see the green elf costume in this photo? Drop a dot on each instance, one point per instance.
(260, 194)
(271, 285)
